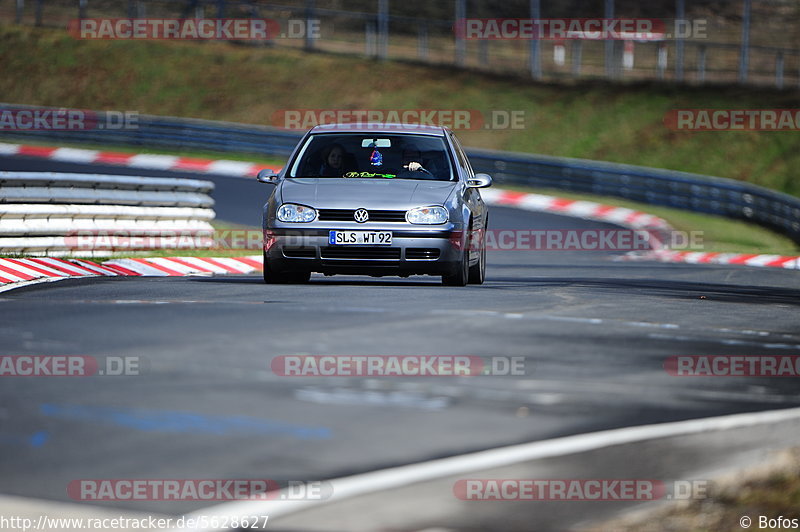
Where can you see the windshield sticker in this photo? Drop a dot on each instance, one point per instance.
(369, 174)
(376, 159)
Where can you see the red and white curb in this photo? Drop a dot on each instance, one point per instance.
(180, 266)
(25, 271)
(698, 257)
(657, 228)
(143, 160)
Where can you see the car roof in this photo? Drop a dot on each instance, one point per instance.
(380, 128)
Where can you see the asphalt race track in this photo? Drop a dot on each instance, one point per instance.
(595, 334)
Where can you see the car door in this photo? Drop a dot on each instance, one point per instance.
(472, 197)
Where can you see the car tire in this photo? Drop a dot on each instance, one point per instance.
(477, 273)
(461, 275)
(273, 277)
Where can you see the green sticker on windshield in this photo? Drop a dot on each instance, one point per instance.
(368, 174)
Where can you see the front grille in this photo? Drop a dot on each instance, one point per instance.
(422, 254)
(299, 253)
(346, 215)
(359, 253)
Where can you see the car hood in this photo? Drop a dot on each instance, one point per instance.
(340, 193)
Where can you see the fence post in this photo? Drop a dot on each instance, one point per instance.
(661, 60)
(461, 14)
(422, 41)
(701, 63)
(627, 55)
(18, 15)
(309, 41)
(680, 15)
(779, 69)
(483, 52)
(383, 29)
(577, 49)
(82, 8)
(609, 44)
(39, 12)
(535, 60)
(369, 39)
(744, 55)
(220, 8)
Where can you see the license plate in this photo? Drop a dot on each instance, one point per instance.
(352, 238)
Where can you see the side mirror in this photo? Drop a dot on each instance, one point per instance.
(480, 181)
(267, 176)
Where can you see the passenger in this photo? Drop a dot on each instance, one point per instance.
(333, 162)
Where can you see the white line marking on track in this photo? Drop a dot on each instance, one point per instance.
(348, 487)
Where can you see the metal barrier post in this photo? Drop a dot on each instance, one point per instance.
(680, 15)
(535, 60)
(609, 44)
(744, 55)
(701, 63)
(577, 48)
(461, 51)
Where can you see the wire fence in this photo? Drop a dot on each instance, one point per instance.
(752, 42)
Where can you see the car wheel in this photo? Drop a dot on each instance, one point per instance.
(461, 276)
(273, 277)
(477, 273)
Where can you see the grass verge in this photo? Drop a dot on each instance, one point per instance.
(223, 81)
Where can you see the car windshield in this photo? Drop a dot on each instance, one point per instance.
(380, 156)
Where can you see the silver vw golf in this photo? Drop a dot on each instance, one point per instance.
(376, 200)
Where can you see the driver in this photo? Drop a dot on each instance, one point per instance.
(412, 162)
(412, 158)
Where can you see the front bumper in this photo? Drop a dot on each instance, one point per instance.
(414, 251)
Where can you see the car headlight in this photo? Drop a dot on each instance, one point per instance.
(427, 215)
(291, 212)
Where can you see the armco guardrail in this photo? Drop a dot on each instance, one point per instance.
(96, 215)
(712, 195)
(681, 190)
(164, 132)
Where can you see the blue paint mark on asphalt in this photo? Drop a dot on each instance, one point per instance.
(37, 439)
(182, 422)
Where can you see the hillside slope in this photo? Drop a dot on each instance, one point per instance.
(249, 84)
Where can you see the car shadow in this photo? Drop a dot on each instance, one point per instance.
(749, 294)
(321, 281)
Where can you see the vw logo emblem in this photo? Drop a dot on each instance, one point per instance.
(361, 215)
